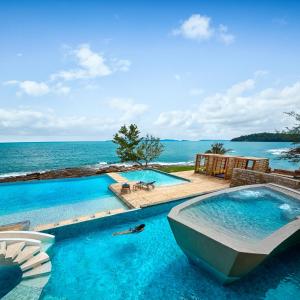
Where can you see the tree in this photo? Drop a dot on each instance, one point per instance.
(128, 140)
(293, 154)
(133, 148)
(149, 148)
(217, 148)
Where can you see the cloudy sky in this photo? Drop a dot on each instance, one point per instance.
(77, 70)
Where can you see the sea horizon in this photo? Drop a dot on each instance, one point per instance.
(21, 158)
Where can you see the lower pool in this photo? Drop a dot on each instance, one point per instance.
(89, 263)
(252, 213)
(160, 178)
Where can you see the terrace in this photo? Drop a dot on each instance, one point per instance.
(193, 185)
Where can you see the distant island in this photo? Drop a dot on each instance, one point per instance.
(268, 137)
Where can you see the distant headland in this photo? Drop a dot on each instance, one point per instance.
(268, 137)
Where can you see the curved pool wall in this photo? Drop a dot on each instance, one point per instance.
(227, 258)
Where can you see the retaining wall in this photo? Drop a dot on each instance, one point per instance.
(247, 177)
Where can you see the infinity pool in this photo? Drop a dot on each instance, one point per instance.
(160, 178)
(89, 263)
(252, 213)
(56, 199)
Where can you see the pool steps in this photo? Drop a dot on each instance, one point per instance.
(26, 249)
(40, 270)
(14, 249)
(35, 261)
(26, 254)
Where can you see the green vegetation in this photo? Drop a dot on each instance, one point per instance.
(136, 149)
(217, 148)
(293, 154)
(149, 149)
(269, 137)
(170, 169)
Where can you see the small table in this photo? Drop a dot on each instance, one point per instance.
(125, 189)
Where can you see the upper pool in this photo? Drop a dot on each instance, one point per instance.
(251, 214)
(56, 199)
(160, 178)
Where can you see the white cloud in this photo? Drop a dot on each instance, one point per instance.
(238, 110)
(30, 122)
(240, 88)
(260, 73)
(129, 109)
(90, 65)
(226, 37)
(198, 27)
(61, 89)
(122, 65)
(31, 88)
(36, 89)
(21, 122)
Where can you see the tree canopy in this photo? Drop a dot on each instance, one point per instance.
(149, 148)
(133, 148)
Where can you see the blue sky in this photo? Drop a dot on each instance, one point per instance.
(77, 70)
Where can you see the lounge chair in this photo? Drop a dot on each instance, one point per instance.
(138, 185)
(147, 185)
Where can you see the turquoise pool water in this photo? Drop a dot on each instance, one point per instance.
(27, 196)
(151, 175)
(49, 201)
(89, 263)
(251, 214)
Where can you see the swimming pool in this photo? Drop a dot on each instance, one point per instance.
(251, 214)
(56, 199)
(89, 263)
(160, 178)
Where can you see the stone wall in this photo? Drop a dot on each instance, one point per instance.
(246, 177)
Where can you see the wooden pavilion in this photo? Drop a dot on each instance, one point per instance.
(223, 165)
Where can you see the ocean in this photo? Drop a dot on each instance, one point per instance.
(23, 158)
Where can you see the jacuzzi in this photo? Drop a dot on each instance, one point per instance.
(232, 231)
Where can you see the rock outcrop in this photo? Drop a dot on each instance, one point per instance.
(70, 173)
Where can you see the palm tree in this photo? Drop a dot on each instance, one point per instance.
(217, 148)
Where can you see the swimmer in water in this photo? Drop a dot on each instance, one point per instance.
(136, 229)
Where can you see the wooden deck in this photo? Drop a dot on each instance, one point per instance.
(199, 184)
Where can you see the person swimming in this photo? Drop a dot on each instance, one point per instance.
(136, 229)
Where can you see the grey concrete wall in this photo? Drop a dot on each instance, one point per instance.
(247, 177)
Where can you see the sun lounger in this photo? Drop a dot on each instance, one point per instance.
(138, 185)
(147, 185)
(144, 185)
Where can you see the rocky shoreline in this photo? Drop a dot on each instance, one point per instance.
(71, 173)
